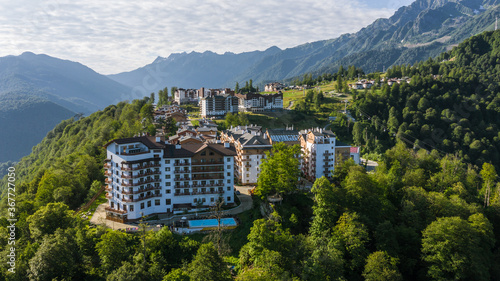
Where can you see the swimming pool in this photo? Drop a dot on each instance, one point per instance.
(211, 223)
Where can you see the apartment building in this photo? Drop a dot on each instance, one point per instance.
(182, 96)
(146, 176)
(218, 105)
(255, 102)
(321, 150)
(250, 143)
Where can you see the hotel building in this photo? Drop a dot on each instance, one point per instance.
(146, 176)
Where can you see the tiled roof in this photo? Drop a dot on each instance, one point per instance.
(189, 150)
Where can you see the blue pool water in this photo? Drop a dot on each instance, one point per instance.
(212, 222)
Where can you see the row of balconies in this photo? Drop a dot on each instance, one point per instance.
(208, 163)
(141, 190)
(207, 177)
(140, 182)
(181, 164)
(140, 198)
(123, 176)
(198, 193)
(199, 185)
(127, 168)
(109, 209)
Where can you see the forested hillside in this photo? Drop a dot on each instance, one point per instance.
(452, 104)
(24, 121)
(423, 214)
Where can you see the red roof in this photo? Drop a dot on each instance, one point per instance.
(355, 149)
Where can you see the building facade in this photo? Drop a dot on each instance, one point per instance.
(321, 150)
(251, 144)
(146, 176)
(254, 102)
(218, 105)
(183, 96)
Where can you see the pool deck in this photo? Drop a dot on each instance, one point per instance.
(99, 216)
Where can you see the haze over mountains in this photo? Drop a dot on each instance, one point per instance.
(57, 89)
(38, 91)
(413, 33)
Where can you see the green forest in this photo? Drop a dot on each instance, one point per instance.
(430, 211)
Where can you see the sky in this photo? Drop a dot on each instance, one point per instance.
(121, 35)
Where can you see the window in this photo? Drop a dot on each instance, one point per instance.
(194, 200)
(248, 169)
(167, 176)
(131, 208)
(149, 203)
(203, 153)
(167, 161)
(211, 153)
(203, 200)
(228, 188)
(167, 191)
(168, 201)
(229, 173)
(212, 199)
(229, 198)
(229, 166)
(228, 181)
(142, 205)
(228, 159)
(157, 202)
(167, 183)
(167, 169)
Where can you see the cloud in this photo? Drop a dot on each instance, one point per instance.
(120, 35)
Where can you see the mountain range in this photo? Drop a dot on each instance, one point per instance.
(38, 91)
(416, 32)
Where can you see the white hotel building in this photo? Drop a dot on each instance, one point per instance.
(146, 176)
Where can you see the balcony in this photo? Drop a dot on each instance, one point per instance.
(198, 193)
(140, 190)
(140, 175)
(207, 177)
(107, 160)
(108, 180)
(140, 182)
(134, 152)
(142, 198)
(109, 195)
(181, 172)
(108, 188)
(208, 163)
(107, 166)
(126, 168)
(109, 209)
(107, 174)
(181, 164)
(221, 169)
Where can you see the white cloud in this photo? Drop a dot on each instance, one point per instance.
(120, 35)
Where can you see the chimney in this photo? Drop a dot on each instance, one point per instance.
(226, 145)
(177, 145)
(158, 139)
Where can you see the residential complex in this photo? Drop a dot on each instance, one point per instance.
(251, 144)
(218, 105)
(274, 87)
(321, 151)
(254, 102)
(147, 176)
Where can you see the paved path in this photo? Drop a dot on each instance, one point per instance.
(370, 166)
(99, 216)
